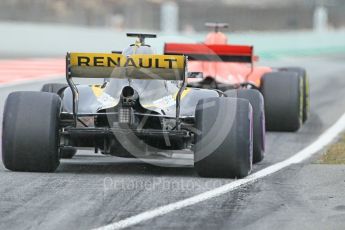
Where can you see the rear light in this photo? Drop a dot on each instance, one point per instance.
(126, 115)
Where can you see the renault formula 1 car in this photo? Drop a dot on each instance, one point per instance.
(223, 66)
(143, 108)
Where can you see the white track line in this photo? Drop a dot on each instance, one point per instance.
(326, 138)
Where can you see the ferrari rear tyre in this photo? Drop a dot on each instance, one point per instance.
(257, 101)
(30, 132)
(224, 137)
(306, 98)
(283, 95)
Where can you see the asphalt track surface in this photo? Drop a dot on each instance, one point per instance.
(92, 190)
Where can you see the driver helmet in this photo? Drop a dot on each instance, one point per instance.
(216, 38)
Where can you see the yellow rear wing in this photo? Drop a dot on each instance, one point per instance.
(136, 66)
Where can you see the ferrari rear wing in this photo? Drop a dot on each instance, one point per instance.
(216, 53)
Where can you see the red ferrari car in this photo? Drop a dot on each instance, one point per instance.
(279, 97)
(217, 64)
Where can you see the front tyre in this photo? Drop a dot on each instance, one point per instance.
(54, 88)
(30, 132)
(65, 153)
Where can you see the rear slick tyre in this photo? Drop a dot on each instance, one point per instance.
(224, 138)
(30, 133)
(257, 102)
(283, 95)
(306, 90)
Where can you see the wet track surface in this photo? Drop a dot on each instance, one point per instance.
(93, 190)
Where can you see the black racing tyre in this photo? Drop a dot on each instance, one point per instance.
(306, 90)
(283, 95)
(257, 101)
(53, 87)
(224, 137)
(30, 132)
